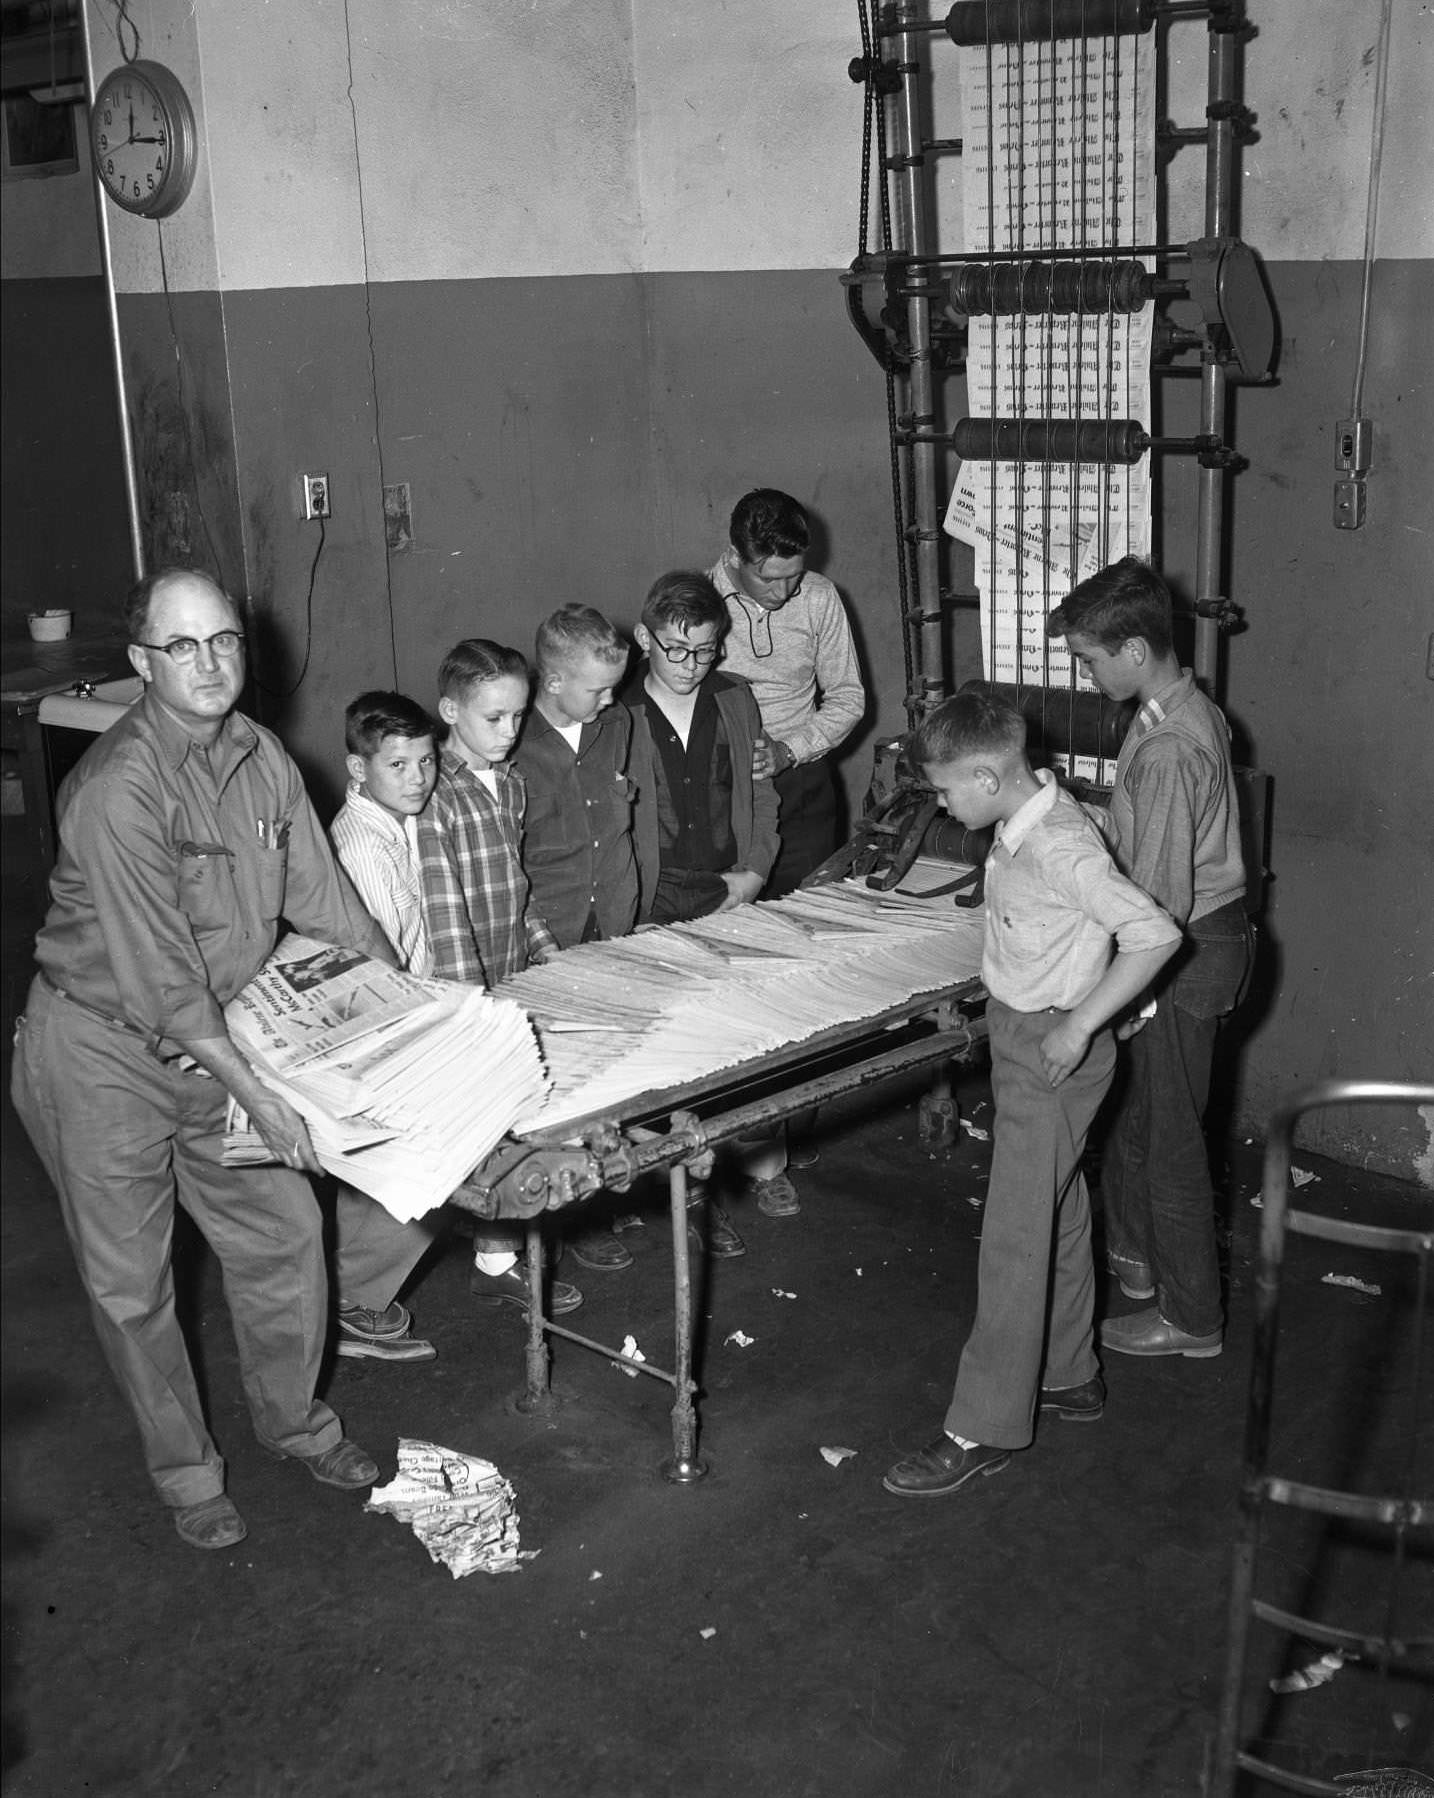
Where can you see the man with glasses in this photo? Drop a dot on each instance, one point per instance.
(791, 641)
(185, 835)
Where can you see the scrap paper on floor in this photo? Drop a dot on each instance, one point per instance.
(460, 1507)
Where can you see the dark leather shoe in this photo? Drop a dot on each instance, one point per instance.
(711, 1229)
(1147, 1333)
(345, 1465)
(371, 1326)
(943, 1467)
(1076, 1404)
(511, 1288)
(600, 1250)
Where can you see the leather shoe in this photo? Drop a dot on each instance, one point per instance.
(600, 1250)
(1134, 1275)
(511, 1288)
(213, 1523)
(345, 1465)
(803, 1154)
(776, 1197)
(385, 1348)
(1076, 1404)
(711, 1229)
(358, 1320)
(943, 1467)
(1147, 1333)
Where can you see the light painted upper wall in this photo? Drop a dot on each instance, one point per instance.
(496, 139)
(749, 134)
(467, 139)
(392, 140)
(1310, 78)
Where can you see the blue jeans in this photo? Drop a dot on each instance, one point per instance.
(1155, 1169)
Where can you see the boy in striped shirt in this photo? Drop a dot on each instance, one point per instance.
(392, 763)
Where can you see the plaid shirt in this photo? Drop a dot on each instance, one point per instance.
(475, 893)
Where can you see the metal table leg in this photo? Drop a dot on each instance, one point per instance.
(684, 1468)
(537, 1398)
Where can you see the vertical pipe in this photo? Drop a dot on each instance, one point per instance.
(1219, 208)
(131, 480)
(684, 1467)
(537, 1395)
(911, 197)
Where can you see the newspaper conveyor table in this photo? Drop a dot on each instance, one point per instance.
(566, 1152)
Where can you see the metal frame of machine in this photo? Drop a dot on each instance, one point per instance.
(534, 1174)
(909, 299)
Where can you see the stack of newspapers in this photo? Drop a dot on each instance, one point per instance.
(405, 1084)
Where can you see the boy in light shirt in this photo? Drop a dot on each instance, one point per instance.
(392, 764)
(1055, 907)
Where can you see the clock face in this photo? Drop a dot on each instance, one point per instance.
(143, 138)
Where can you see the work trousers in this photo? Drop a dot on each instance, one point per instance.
(1036, 1284)
(375, 1252)
(123, 1138)
(1155, 1169)
(808, 823)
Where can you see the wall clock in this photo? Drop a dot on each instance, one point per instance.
(143, 137)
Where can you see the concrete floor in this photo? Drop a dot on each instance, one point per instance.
(1057, 1631)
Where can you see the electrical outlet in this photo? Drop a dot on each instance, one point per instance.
(314, 495)
(1348, 505)
(398, 517)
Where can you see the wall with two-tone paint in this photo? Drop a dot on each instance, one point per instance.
(569, 272)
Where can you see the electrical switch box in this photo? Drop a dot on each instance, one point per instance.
(1354, 445)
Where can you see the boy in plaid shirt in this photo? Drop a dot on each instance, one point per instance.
(481, 922)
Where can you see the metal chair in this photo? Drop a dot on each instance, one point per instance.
(1398, 1514)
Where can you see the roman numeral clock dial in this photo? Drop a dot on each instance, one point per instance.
(143, 139)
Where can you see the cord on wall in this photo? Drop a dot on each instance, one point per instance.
(368, 320)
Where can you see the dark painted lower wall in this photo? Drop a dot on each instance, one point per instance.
(570, 438)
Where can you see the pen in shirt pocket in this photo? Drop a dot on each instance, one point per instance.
(273, 832)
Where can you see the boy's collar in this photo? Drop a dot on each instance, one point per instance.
(453, 763)
(360, 797)
(1012, 832)
(1166, 700)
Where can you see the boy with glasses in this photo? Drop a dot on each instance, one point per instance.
(705, 829)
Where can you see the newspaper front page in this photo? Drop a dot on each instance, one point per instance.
(405, 1084)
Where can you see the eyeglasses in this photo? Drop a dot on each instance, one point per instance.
(184, 650)
(682, 653)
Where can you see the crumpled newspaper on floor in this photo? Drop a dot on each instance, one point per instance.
(461, 1508)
